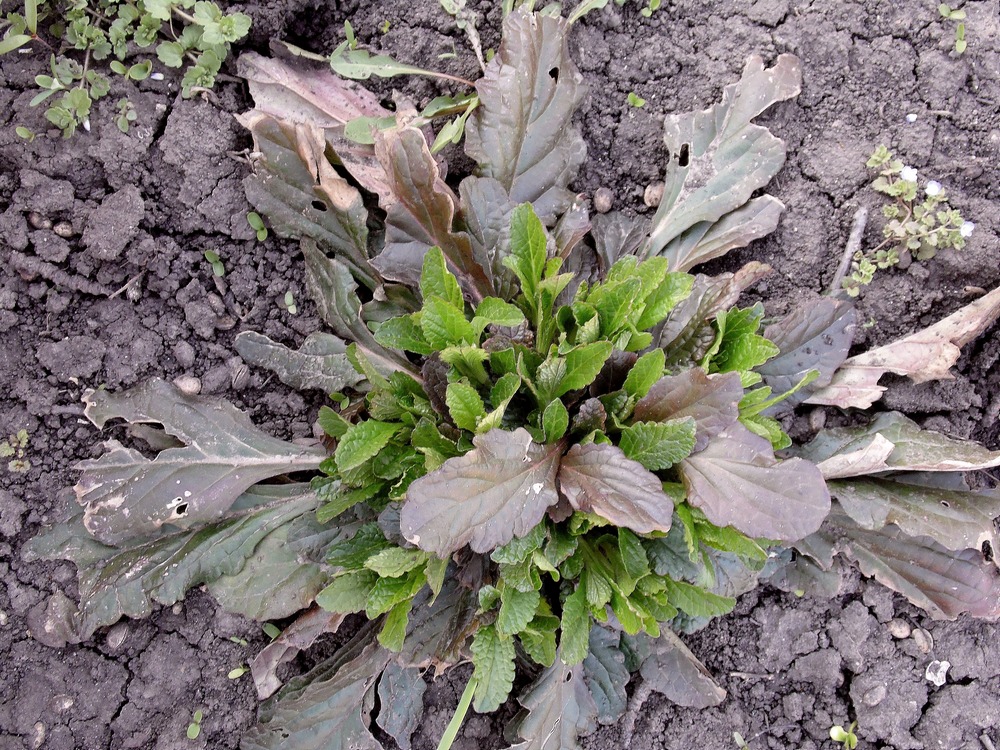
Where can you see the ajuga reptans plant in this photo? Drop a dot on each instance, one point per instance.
(550, 447)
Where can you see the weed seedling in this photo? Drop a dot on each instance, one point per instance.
(194, 728)
(955, 14)
(217, 267)
(126, 115)
(14, 448)
(239, 641)
(24, 133)
(847, 736)
(635, 100)
(237, 672)
(289, 302)
(257, 224)
(271, 630)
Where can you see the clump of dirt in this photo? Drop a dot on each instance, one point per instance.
(106, 284)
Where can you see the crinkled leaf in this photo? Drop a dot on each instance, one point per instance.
(659, 445)
(498, 490)
(671, 669)
(522, 133)
(711, 400)
(814, 336)
(696, 601)
(606, 675)
(465, 406)
(125, 580)
(126, 495)
(401, 696)
(582, 365)
(559, 709)
(362, 442)
(486, 216)
(647, 370)
(298, 636)
(574, 631)
(348, 592)
(718, 159)
(617, 235)
(445, 325)
(494, 311)
(438, 630)
(493, 660)
(321, 362)
(555, 421)
(943, 582)
(922, 356)
(437, 281)
(601, 479)
(517, 608)
(740, 348)
(736, 481)
(424, 215)
(326, 708)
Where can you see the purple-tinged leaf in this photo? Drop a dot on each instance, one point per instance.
(439, 627)
(601, 479)
(495, 492)
(571, 228)
(737, 481)
(327, 708)
(943, 582)
(712, 400)
(922, 356)
(718, 159)
(401, 696)
(559, 709)
(814, 336)
(672, 670)
(126, 495)
(321, 362)
(298, 636)
(617, 235)
(486, 213)
(522, 133)
(424, 215)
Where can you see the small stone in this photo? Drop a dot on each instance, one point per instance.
(923, 639)
(899, 629)
(62, 702)
(216, 380)
(64, 229)
(188, 385)
(911, 118)
(39, 739)
(874, 696)
(653, 194)
(937, 672)
(3, 618)
(817, 419)
(177, 608)
(241, 374)
(184, 354)
(38, 221)
(117, 636)
(603, 200)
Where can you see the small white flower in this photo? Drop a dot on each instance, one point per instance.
(966, 229)
(908, 174)
(911, 117)
(933, 188)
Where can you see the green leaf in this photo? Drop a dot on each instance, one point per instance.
(360, 65)
(437, 281)
(388, 592)
(465, 406)
(498, 490)
(574, 641)
(517, 608)
(445, 325)
(321, 362)
(644, 373)
(633, 554)
(353, 552)
(403, 333)
(659, 445)
(332, 423)
(539, 639)
(527, 249)
(555, 421)
(393, 562)
(582, 365)
(348, 592)
(493, 661)
(500, 396)
(494, 311)
(394, 626)
(696, 601)
(362, 442)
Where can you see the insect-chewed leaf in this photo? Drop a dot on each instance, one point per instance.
(718, 159)
(711, 400)
(522, 133)
(601, 479)
(671, 669)
(736, 481)
(498, 490)
(423, 216)
(559, 709)
(125, 580)
(606, 675)
(493, 658)
(320, 363)
(324, 709)
(126, 495)
(813, 336)
(401, 695)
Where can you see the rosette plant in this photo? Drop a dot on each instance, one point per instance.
(551, 447)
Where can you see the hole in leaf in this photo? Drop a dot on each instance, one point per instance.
(569, 676)
(684, 155)
(554, 74)
(945, 503)
(181, 510)
(319, 205)
(987, 551)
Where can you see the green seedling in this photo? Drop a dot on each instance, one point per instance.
(217, 266)
(257, 224)
(384, 28)
(271, 630)
(635, 100)
(914, 227)
(847, 737)
(239, 641)
(126, 115)
(15, 448)
(237, 672)
(740, 742)
(194, 728)
(955, 14)
(25, 134)
(289, 302)
(21, 29)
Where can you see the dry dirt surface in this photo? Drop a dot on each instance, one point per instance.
(104, 283)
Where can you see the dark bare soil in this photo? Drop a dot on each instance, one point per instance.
(103, 282)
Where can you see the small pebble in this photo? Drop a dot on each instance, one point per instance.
(937, 672)
(603, 200)
(899, 629)
(874, 696)
(62, 702)
(911, 117)
(241, 375)
(817, 419)
(38, 221)
(188, 384)
(117, 636)
(177, 608)
(653, 194)
(39, 737)
(64, 229)
(184, 354)
(924, 640)
(3, 618)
